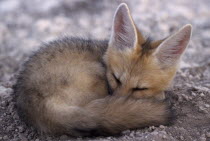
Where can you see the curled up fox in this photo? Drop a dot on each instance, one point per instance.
(86, 87)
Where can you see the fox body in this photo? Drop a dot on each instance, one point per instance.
(64, 87)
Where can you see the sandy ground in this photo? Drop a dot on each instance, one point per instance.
(24, 25)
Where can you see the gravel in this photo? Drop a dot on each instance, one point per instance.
(24, 25)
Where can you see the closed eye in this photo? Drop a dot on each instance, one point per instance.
(139, 89)
(117, 80)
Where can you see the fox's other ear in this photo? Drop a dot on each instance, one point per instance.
(124, 34)
(169, 51)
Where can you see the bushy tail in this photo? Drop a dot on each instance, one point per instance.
(107, 116)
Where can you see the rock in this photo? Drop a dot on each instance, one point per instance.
(132, 134)
(22, 137)
(3, 92)
(193, 94)
(163, 132)
(49, 138)
(9, 128)
(126, 132)
(4, 103)
(21, 129)
(15, 139)
(202, 95)
(202, 138)
(180, 99)
(154, 133)
(207, 105)
(185, 97)
(151, 128)
(164, 136)
(109, 138)
(203, 110)
(64, 137)
(181, 138)
(162, 127)
(5, 137)
(208, 134)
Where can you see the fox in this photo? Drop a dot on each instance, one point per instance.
(85, 87)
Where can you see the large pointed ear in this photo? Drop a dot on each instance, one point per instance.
(169, 51)
(124, 34)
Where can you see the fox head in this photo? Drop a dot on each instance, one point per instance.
(138, 67)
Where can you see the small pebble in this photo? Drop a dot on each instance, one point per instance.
(208, 135)
(64, 137)
(164, 136)
(21, 129)
(207, 105)
(181, 137)
(193, 94)
(49, 138)
(9, 128)
(202, 138)
(201, 108)
(4, 103)
(126, 132)
(202, 95)
(152, 128)
(154, 133)
(163, 132)
(109, 138)
(5, 137)
(180, 99)
(185, 97)
(22, 137)
(162, 127)
(132, 134)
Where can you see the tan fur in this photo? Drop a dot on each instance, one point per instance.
(138, 71)
(63, 88)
